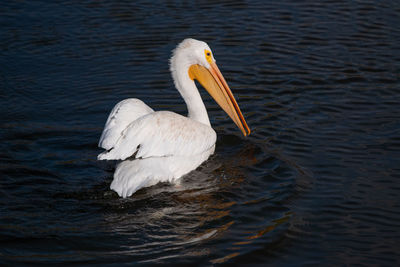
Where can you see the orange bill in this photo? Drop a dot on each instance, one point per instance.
(213, 81)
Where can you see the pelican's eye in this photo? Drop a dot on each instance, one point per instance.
(208, 55)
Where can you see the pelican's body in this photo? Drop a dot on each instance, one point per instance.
(164, 146)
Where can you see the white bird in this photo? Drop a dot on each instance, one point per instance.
(163, 146)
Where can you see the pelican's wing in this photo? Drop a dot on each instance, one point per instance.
(161, 134)
(123, 114)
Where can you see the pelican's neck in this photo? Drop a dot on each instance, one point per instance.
(188, 90)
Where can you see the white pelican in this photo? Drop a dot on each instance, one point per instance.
(163, 146)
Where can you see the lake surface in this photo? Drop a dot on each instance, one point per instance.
(316, 183)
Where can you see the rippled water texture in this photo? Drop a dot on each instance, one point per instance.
(317, 182)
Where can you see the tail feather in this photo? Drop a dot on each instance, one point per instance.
(132, 175)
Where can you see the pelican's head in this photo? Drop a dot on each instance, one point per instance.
(197, 57)
(194, 52)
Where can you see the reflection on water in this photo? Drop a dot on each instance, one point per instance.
(205, 208)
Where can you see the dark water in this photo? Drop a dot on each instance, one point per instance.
(317, 182)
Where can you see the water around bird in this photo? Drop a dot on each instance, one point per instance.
(315, 182)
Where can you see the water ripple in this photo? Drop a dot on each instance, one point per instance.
(316, 181)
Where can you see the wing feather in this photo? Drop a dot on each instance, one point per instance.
(123, 114)
(161, 134)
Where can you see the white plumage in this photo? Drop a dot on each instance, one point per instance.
(161, 134)
(121, 116)
(163, 146)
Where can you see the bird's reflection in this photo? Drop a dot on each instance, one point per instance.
(196, 210)
(169, 220)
